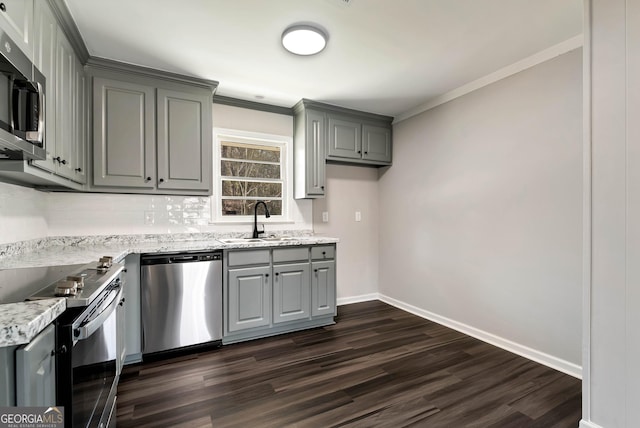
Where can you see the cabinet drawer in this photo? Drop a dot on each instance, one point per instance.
(250, 257)
(290, 254)
(323, 252)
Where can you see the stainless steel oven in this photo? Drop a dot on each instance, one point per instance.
(87, 360)
(87, 354)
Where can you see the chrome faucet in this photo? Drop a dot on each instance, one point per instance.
(257, 232)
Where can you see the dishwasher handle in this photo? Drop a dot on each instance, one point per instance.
(163, 259)
(183, 259)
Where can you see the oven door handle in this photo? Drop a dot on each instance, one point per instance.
(86, 330)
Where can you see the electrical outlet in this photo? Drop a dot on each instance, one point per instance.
(358, 216)
(149, 217)
(325, 216)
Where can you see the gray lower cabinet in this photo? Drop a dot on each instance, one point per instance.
(249, 298)
(150, 135)
(273, 291)
(132, 317)
(35, 370)
(291, 287)
(323, 288)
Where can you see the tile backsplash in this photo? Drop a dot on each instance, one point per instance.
(106, 214)
(27, 214)
(23, 214)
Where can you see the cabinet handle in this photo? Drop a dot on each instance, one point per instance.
(161, 180)
(266, 275)
(78, 169)
(366, 153)
(63, 162)
(315, 270)
(322, 187)
(359, 152)
(324, 253)
(277, 273)
(57, 159)
(148, 179)
(3, 7)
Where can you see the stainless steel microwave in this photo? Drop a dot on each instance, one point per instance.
(22, 104)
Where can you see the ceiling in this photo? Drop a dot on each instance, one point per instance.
(383, 56)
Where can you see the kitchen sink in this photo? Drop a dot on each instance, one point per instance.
(247, 240)
(239, 240)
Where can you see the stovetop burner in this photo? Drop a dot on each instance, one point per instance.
(80, 287)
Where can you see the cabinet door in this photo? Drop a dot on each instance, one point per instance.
(80, 121)
(249, 298)
(184, 140)
(323, 288)
(291, 286)
(344, 138)
(45, 39)
(315, 153)
(65, 107)
(16, 18)
(123, 134)
(133, 342)
(376, 142)
(35, 371)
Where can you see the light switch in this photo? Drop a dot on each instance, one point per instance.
(325, 216)
(358, 216)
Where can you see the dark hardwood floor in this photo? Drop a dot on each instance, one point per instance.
(377, 367)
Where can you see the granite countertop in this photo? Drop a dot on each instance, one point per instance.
(21, 322)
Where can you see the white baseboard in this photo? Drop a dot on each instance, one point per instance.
(358, 299)
(587, 424)
(524, 351)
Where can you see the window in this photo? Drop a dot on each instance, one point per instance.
(250, 167)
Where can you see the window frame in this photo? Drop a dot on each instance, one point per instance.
(286, 168)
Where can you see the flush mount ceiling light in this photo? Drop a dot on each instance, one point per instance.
(304, 39)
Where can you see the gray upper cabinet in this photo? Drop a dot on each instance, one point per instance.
(150, 135)
(345, 139)
(16, 18)
(376, 143)
(35, 371)
(66, 111)
(323, 132)
(310, 127)
(45, 50)
(359, 139)
(123, 134)
(184, 140)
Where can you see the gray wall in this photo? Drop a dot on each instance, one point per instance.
(351, 189)
(480, 215)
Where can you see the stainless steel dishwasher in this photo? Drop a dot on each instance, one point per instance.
(181, 300)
